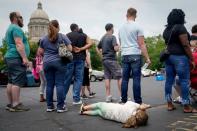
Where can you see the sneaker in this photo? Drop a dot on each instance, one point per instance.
(178, 100)
(77, 103)
(63, 109)
(19, 108)
(51, 109)
(92, 94)
(109, 98)
(84, 97)
(8, 106)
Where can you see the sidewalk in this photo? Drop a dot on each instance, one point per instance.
(37, 119)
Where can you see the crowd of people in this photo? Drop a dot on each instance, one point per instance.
(55, 72)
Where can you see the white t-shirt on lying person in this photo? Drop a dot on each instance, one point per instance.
(118, 112)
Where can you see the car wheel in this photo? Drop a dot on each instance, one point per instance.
(92, 78)
(100, 79)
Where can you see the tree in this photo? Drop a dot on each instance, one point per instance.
(155, 45)
(3, 48)
(95, 58)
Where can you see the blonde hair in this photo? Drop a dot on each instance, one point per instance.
(53, 30)
(140, 119)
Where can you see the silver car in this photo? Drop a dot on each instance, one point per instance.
(96, 75)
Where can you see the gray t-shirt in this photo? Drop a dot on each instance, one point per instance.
(51, 49)
(107, 44)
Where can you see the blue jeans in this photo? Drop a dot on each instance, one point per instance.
(131, 63)
(74, 69)
(55, 74)
(177, 65)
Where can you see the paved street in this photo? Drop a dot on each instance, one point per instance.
(37, 119)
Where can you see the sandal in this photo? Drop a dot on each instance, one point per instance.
(171, 107)
(189, 109)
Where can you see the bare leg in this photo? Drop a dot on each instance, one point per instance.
(9, 93)
(15, 95)
(119, 81)
(88, 88)
(83, 90)
(93, 113)
(107, 85)
(94, 106)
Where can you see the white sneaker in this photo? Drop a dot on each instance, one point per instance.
(109, 98)
(50, 109)
(77, 103)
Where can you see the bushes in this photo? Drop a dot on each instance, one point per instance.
(154, 44)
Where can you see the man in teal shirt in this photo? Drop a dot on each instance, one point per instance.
(16, 59)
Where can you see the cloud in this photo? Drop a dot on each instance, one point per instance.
(92, 15)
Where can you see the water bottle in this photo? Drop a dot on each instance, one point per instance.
(145, 66)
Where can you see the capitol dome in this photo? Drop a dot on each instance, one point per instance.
(39, 13)
(38, 24)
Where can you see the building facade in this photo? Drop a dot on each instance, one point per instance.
(38, 24)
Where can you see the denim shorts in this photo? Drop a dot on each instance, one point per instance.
(16, 71)
(112, 69)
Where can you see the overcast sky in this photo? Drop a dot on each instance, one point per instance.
(92, 15)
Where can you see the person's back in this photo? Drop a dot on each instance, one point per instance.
(78, 40)
(107, 46)
(132, 48)
(128, 34)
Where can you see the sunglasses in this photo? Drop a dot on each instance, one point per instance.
(20, 17)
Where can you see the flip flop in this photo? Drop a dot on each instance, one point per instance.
(190, 111)
(171, 108)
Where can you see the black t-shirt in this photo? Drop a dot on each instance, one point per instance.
(174, 46)
(78, 40)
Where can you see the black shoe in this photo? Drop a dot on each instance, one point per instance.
(92, 94)
(84, 97)
(8, 106)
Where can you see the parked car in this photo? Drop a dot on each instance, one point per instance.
(147, 72)
(30, 79)
(96, 75)
(3, 76)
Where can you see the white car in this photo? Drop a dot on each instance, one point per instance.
(147, 72)
(96, 75)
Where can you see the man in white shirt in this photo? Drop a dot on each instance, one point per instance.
(132, 47)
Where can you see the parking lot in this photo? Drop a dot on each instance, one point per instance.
(38, 119)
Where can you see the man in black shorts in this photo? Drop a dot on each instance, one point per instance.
(16, 61)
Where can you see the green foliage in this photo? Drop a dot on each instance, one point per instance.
(33, 50)
(96, 61)
(155, 45)
(3, 49)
